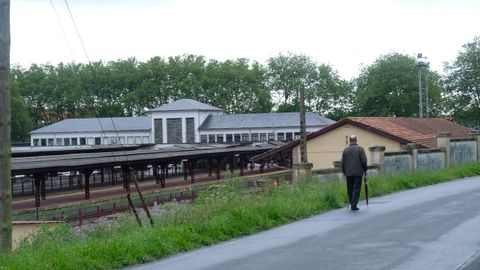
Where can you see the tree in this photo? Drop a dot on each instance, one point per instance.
(285, 74)
(325, 92)
(389, 87)
(463, 85)
(236, 86)
(20, 118)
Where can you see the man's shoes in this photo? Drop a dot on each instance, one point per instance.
(354, 208)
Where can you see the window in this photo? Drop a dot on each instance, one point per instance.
(83, 141)
(263, 137)
(245, 137)
(98, 140)
(66, 141)
(90, 141)
(35, 142)
(254, 137)
(43, 142)
(236, 137)
(229, 138)
(203, 138)
(74, 141)
(138, 140)
(281, 136)
(211, 138)
(131, 140)
(50, 142)
(297, 135)
(289, 136)
(59, 141)
(220, 138)
(113, 140)
(271, 136)
(121, 140)
(145, 139)
(106, 140)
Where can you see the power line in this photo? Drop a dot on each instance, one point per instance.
(76, 29)
(63, 30)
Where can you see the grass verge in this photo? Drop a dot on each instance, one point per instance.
(223, 213)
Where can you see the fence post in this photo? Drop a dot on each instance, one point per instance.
(337, 164)
(443, 142)
(412, 148)
(476, 135)
(377, 157)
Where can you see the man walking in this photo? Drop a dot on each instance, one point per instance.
(354, 165)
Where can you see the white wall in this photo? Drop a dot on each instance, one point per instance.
(121, 137)
(198, 116)
(276, 131)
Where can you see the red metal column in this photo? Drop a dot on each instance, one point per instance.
(185, 168)
(242, 164)
(87, 174)
(155, 173)
(162, 175)
(126, 178)
(209, 166)
(113, 176)
(219, 160)
(232, 164)
(38, 180)
(42, 188)
(191, 168)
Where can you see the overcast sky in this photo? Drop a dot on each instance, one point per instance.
(343, 33)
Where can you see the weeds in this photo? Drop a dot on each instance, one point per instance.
(223, 212)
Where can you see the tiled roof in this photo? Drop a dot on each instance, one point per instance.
(141, 123)
(185, 105)
(421, 131)
(263, 120)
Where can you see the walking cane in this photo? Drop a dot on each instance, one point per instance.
(366, 188)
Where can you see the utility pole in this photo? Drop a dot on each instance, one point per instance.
(422, 63)
(5, 188)
(302, 169)
(303, 128)
(420, 102)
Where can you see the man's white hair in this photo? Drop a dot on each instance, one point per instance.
(352, 138)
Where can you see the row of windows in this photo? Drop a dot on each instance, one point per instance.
(90, 141)
(249, 137)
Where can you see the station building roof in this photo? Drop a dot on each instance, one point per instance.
(262, 120)
(141, 123)
(185, 105)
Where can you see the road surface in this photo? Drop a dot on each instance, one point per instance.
(435, 227)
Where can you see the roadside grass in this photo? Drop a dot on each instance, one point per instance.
(226, 211)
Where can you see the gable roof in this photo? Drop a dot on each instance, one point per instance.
(262, 120)
(185, 105)
(142, 123)
(421, 131)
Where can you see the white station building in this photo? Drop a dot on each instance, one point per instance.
(182, 121)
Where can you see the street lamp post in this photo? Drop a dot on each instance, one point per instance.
(422, 63)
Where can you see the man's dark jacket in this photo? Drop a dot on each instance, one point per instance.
(354, 161)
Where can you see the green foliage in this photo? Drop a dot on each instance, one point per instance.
(325, 91)
(226, 211)
(21, 123)
(129, 87)
(389, 87)
(463, 85)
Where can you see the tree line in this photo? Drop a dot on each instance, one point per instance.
(44, 94)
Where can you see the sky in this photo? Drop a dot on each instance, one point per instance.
(347, 34)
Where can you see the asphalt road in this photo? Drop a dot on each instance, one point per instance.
(436, 227)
